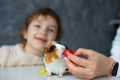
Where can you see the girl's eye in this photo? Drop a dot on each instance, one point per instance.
(38, 26)
(51, 30)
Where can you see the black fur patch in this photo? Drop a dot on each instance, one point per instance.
(51, 48)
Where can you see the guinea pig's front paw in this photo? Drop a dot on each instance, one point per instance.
(49, 74)
(60, 76)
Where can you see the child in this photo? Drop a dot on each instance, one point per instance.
(42, 26)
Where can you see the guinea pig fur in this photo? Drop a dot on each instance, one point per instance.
(53, 59)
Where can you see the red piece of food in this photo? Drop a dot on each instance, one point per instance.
(65, 53)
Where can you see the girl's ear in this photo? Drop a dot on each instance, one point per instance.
(25, 34)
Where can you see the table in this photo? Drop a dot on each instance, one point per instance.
(31, 73)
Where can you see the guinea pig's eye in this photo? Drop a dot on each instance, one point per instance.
(58, 42)
(52, 48)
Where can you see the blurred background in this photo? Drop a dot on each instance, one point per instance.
(86, 23)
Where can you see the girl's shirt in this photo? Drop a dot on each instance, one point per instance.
(12, 56)
(115, 50)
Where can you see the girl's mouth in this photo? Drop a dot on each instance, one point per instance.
(41, 40)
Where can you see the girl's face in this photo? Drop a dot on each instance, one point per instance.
(40, 31)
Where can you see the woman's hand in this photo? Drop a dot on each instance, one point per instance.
(95, 65)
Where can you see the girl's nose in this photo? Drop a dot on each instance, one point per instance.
(43, 31)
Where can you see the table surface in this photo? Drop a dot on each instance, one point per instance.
(31, 73)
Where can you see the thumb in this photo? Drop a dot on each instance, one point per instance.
(84, 52)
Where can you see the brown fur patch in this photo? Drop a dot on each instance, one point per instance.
(51, 55)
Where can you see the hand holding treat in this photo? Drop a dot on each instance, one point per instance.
(89, 67)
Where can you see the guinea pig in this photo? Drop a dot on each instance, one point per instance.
(54, 59)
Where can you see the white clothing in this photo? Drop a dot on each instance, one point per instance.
(12, 56)
(115, 50)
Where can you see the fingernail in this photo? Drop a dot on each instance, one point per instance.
(65, 54)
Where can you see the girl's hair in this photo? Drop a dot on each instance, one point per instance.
(44, 12)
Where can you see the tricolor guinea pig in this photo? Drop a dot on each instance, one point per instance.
(53, 59)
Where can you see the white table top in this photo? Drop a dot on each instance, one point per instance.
(31, 73)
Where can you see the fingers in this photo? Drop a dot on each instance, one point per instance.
(90, 54)
(79, 61)
(72, 68)
(87, 68)
(78, 70)
(85, 52)
(70, 65)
